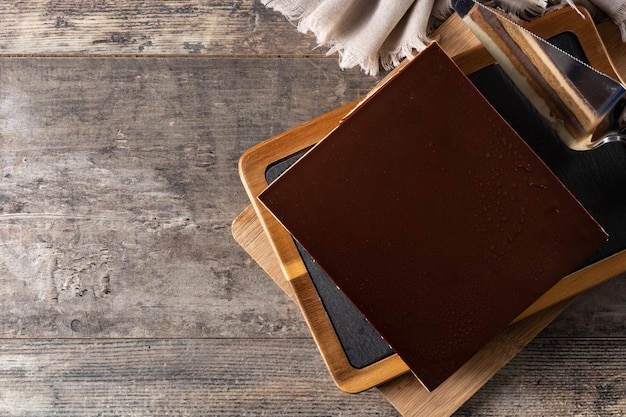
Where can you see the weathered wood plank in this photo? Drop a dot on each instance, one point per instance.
(120, 183)
(600, 312)
(173, 377)
(173, 27)
(557, 377)
(249, 377)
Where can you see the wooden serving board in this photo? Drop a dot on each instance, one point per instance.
(272, 247)
(405, 392)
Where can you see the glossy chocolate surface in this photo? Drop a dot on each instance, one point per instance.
(433, 216)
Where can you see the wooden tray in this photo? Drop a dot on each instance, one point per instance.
(258, 232)
(405, 392)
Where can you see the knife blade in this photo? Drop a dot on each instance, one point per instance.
(585, 107)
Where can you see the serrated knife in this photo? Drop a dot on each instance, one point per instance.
(585, 107)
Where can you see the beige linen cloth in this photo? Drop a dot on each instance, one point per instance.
(375, 33)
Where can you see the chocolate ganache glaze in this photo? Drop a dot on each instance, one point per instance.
(433, 216)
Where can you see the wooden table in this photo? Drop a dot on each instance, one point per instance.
(123, 292)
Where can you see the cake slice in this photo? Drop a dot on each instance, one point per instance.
(433, 216)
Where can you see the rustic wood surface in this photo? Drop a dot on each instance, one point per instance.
(171, 27)
(123, 292)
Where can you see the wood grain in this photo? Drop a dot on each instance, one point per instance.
(200, 377)
(546, 379)
(612, 38)
(235, 377)
(120, 184)
(173, 27)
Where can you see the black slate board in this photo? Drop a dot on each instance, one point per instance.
(597, 179)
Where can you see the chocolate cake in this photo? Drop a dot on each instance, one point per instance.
(433, 216)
